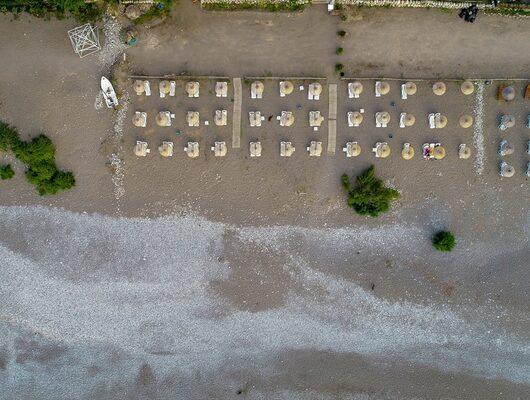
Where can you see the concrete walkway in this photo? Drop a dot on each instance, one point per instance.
(236, 120)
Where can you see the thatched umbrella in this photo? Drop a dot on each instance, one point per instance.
(140, 119)
(467, 87)
(466, 121)
(355, 118)
(355, 88)
(139, 87)
(141, 149)
(255, 149)
(382, 117)
(505, 148)
(440, 122)
(164, 87)
(193, 118)
(192, 88)
(464, 152)
(438, 152)
(409, 119)
(352, 149)
(257, 88)
(221, 89)
(220, 117)
(507, 121)
(315, 149)
(166, 150)
(315, 118)
(286, 149)
(408, 151)
(381, 150)
(315, 89)
(286, 87)
(286, 118)
(132, 12)
(439, 88)
(163, 118)
(410, 88)
(508, 93)
(192, 149)
(506, 170)
(384, 88)
(219, 149)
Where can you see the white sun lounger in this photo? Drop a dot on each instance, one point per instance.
(378, 89)
(403, 92)
(352, 95)
(172, 87)
(402, 119)
(147, 87)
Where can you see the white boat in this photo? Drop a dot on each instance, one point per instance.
(108, 93)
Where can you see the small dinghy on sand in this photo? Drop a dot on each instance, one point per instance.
(108, 93)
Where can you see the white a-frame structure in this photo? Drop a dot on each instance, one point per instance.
(85, 40)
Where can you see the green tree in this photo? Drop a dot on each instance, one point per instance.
(6, 172)
(369, 196)
(444, 241)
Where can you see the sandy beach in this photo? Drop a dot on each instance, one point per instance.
(250, 278)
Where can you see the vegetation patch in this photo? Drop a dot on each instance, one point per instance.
(39, 157)
(6, 172)
(506, 10)
(160, 9)
(444, 241)
(369, 196)
(287, 5)
(80, 10)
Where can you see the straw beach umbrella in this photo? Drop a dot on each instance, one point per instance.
(464, 152)
(257, 88)
(506, 170)
(441, 122)
(355, 118)
(466, 121)
(164, 87)
(286, 118)
(315, 149)
(139, 87)
(467, 88)
(192, 88)
(286, 149)
(315, 118)
(439, 153)
(140, 119)
(408, 151)
(384, 88)
(409, 119)
(355, 88)
(132, 12)
(286, 87)
(219, 149)
(315, 89)
(352, 149)
(141, 149)
(220, 118)
(166, 150)
(192, 149)
(163, 118)
(410, 88)
(383, 117)
(255, 149)
(508, 93)
(193, 118)
(439, 88)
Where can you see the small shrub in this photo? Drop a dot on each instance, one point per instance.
(339, 67)
(341, 33)
(369, 196)
(444, 241)
(6, 172)
(39, 157)
(342, 74)
(340, 50)
(343, 17)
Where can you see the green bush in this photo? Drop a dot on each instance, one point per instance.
(339, 67)
(341, 33)
(369, 196)
(80, 10)
(444, 241)
(6, 172)
(267, 5)
(340, 50)
(39, 157)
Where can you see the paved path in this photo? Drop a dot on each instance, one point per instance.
(332, 118)
(236, 120)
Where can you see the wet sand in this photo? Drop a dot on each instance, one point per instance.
(211, 277)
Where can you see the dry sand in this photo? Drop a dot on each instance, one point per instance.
(211, 277)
